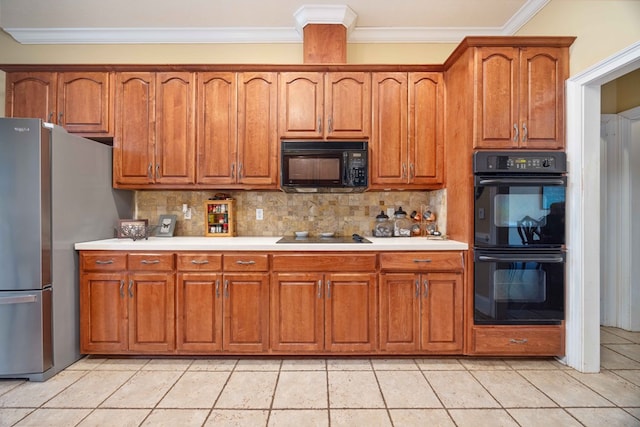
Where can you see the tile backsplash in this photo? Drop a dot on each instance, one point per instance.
(285, 213)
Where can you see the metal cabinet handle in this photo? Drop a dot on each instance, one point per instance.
(328, 288)
(240, 170)
(130, 289)
(103, 262)
(121, 288)
(319, 288)
(404, 170)
(516, 132)
(422, 260)
(60, 118)
(241, 262)
(412, 170)
(426, 288)
(199, 261)
(218, 288)
(157, 171)
(518, 340)
(330, 124)
(233, 170)
(525, 132)
(50, 117)
(319, 124)
(149, 171)
(18, 299)
(226, 289)
(150, 261)
(417, 288)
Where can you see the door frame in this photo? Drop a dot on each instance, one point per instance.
(583, 206)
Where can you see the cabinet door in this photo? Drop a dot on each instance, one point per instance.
(399, 312)
(441, 312)
(497, 97)
(350, 312)
(388, 144)
(347, 105)
(246, 312)
(301, 105)
(103, 313)
(32, 95)
(543, 71)
(199, 312)
(426, 128)
(297, 312)
(151, 312)
(217, 128)
(257, 129)
(85, 102)
(134, 143)
(175, 128)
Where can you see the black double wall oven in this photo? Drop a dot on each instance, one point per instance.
(519, 237)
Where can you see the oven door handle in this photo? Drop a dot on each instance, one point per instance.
(523, 258)
(522, 181)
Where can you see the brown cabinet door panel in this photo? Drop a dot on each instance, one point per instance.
(134, 144)
(388, 148)
(246, 312)
(347, 105)
(85, 102)
(350, 312)
(301, 105)
(175, 128)
(441, 312)
(151, 312)
(103, 313)
(32, 94)
(399, 312)
(199, 312)
(217, 128)
(297, 312)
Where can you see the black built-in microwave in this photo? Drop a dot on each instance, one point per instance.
(324, 166)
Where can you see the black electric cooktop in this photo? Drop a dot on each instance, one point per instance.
(356, 238)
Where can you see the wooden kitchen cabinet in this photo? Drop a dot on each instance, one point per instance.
(81, 102)
(407, 139)
(155, 129)
(520, 92)
(323, 303)
(130, 310)
(325, 105)
(421, 302)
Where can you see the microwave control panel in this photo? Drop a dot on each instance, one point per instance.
(356, 168)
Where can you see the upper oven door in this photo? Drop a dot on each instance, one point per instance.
(519, 212)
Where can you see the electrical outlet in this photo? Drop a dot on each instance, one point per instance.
(259, 214)
(187, 213)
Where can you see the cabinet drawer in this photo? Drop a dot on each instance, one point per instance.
(103, 261)
(421, 261)
(199, 262)
(524, 341)
(150, 261)
(325, 262)
(246, 262)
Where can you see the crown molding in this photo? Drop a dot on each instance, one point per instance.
(316, 14)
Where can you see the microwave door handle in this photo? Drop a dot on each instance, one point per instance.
(554, 259)
(522, 181)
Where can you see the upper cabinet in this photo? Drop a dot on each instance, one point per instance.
(81, 102)
(329, 105)
(155, 131)
(407, 138)
(520, 93)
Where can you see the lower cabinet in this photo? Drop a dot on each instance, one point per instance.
(518, 340)
(323, 304)
(127, 303)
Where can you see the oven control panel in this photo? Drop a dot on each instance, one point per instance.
(519, 162)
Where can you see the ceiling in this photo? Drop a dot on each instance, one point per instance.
(251, 21)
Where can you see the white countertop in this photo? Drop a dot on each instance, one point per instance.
(258, 243)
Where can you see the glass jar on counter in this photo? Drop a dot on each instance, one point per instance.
(383, 227)
(401, 224)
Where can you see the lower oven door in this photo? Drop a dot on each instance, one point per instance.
(519, 287)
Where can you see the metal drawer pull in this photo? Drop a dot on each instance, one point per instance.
(101, 262)
(518, 341)
(199, 261)
(245, 262)
(421, 260)
(152, 261)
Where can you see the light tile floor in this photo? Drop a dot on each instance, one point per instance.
(334, 392)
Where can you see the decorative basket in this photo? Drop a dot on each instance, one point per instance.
(135, 229)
